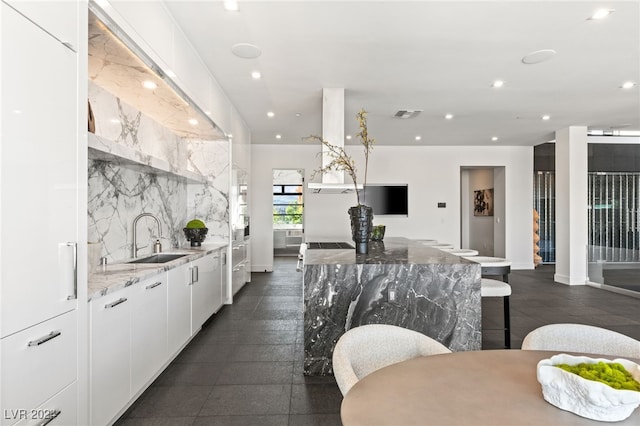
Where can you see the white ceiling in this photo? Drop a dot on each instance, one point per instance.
(437, 56)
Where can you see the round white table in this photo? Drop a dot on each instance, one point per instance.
(493, 387)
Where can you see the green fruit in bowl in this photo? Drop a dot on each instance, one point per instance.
(196, 224)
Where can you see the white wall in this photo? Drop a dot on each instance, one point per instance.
(433, 175)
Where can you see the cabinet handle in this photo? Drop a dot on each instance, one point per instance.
(69, 46)
(50, 417)
(116, 303)
(74, 247)
(44, 339)
(194, 274)
(154, 285)
(236, 248)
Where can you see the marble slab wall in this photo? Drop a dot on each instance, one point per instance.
(441, 301)
(118, 191)
(209, 202)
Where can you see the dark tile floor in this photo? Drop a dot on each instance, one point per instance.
(245, 366)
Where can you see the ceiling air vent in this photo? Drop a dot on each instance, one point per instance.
(407, 113)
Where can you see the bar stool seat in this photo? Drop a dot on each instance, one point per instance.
(442, 246)
(461, 252)
(495, 288)
(492, 266)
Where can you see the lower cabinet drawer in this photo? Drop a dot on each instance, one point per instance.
(61, 410)
(37, 363)
(238, 276)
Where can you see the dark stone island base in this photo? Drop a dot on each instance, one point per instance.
(400, 282)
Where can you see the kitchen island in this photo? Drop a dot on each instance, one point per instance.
(401, 282)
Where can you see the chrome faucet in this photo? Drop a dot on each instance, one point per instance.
(157, 248)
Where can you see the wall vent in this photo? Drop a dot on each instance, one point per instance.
(407, 113)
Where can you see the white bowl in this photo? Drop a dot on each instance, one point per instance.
(586, 398)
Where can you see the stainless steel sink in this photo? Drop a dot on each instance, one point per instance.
(159, 258)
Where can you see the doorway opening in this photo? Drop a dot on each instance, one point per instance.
(288, 211)
(482, 210)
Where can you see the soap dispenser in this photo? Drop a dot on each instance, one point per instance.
(157, 247)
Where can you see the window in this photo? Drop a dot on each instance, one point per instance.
(287, 204)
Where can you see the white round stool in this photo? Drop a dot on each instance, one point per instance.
(461, 252)
(495, 288)
(442, 246)
(493, 266)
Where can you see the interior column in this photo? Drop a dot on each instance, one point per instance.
(571, 205)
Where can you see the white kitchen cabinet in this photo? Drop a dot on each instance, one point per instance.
(148, 330)
(179, 308)
(42, 183)
(239, 265)
(39, 174)
(36, 364)
(110, 355)
(206, 289)
(224, 282)
(218, 291)
(58, 18)
(61, 409)
(237, 277)
(247, 261)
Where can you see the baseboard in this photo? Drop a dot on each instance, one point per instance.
(565, 279)
(261, 268)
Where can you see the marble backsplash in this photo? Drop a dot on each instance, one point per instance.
(209, 202)
(118, 191)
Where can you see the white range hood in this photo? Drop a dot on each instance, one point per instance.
(333, 132)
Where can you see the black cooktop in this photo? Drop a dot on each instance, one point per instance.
(329, 245)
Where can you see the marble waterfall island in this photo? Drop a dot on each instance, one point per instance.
(400, 282)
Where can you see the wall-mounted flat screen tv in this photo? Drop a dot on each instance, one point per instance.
(387, 199)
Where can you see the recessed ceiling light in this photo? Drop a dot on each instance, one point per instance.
(278, 136)
(256, 75)
(270, 114)
(497, 83)
(298, 114)
(17, 111)
(601, 13)
(628, 85)
(348, 137)
(546, 117)
(448, 116)
(538, 56)
(148, 84)
(418, 138)
(494, 138)
(231, 6)
(193, 121)
(246, 50)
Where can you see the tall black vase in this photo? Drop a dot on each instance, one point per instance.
(361, 227)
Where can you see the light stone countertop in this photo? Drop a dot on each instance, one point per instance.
(119, 275)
